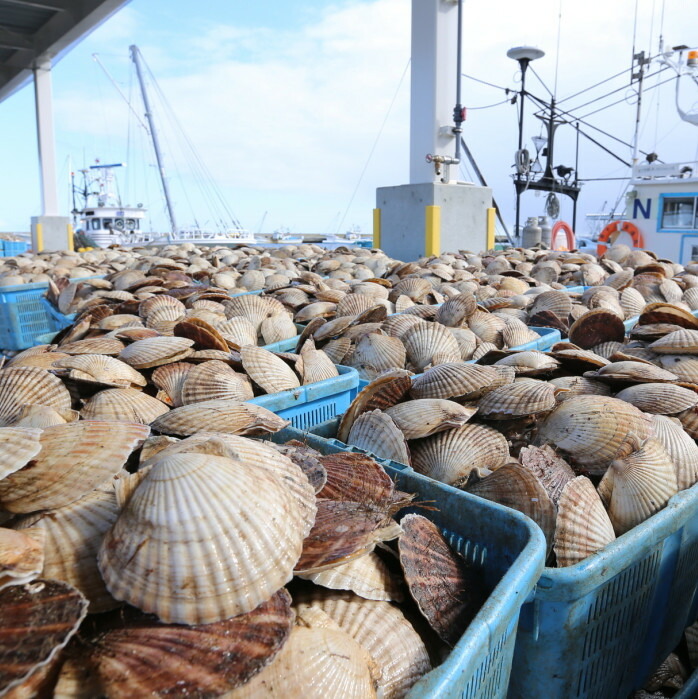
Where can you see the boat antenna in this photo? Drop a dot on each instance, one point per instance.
(136, 58)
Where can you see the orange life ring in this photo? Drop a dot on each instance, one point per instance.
(611, 232)
(569, 235)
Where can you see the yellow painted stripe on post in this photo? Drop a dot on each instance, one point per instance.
(71, 240)
(433, 230)
(376, 228)
(39, 237)
(491, 216)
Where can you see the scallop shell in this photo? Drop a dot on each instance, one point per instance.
(488, 327)
(44, 616)
(457, 381)
(204, 660)
(123, 405)
(583, 525)
(398, 325)
(101, 369)
(683, 366)
(353, 304)
(631, 371)
(467, 342)
(237, 521)
(413, 287)
(277, 328)
(73, 534)
(682, 450)
(154, 303)
(517, 400)
(44, 360)
(337, 349)
(377, 433)
(18, 445)
(423, 417)
(383, 631)
(448, 591)
(215, 380)
(219, 416)
(529, 363)
(515, 333)
(319, 309)
(423, 341)
(367, 576)
(240, 331)
(667, 313)
(317, 366)
(595, 327)
(254, 308)
(659, 398)
(682, 341)
(456, 310)
(450, 456)
(638, 484)
(380, 394)
(552, 472)
(557, 302)
(332, 328)
(631, 302)
(317, 663)
(307, 459)
(607, 349)
(593, 428)
(40, 416)
(30, 386)
(170, 379)
(375, 354)
(514, 486)
(94, 345)
(21, 556)
(268, 371)
(75, 458)
(155, 351)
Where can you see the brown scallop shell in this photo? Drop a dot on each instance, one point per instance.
(426, 416)
(448, 591)
(22, 386)
(556, 302)
(307, 459)
(356, 477)
(203, 335)
(75, 458)
(214, 380)
(517, 400)
(583, 526)
(267, 370)
(377, 433)
(94, 345)
(552, 472)
(18, 445)
(43, 616)
(156, 351)
(169, 379)
(101, 369)
(631, 372)
(123, 405)
(337, 349)
(667, 313)
(595, 327)
(21, 556)
(455, 380)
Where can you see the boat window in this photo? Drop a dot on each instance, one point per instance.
(130, 223)
(108, 223)
(95, 224)
(679, 212)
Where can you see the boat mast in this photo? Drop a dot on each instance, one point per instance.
(136, 58)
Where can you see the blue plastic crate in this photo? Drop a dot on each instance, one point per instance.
(597, 629)
(508, 548)
(61, 320)
(310, 405)
(576, 289)
(10, 248)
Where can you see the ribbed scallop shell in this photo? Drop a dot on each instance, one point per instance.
(18, 445)
(682, 341)
(457, 381)
(155, 351)
(659, 398)
(316, 366)
(367, 576)
(377, 433)
(637, 485)
(515, 333)
(517, 400)
(529, 363)
(607, 349)
(631, 302)
(317, 663)
(94, 345)
(21, 556)
(631, 371)
(383, 631)
(579, 386)
(684, 366)
(319, 309)
(277, 328)
(41, 416)
(353, 304)
(595, 327)
(219, 416)
(402, 303)
(254, 308)
(398, 325)
(30, 386)
(375, 354)
(75, 458)
(202, 538)
(413, 287)
(215, 380)
(593, 428)
(123, 405)
(487, 326)
(423, 341)
(267, 370)
(448, 591)
(457, 309)
(101, 369)
(73, 536)
(160, 301)
(337, 349)
(163, 317)
(682, 450)
(552, 472)
(30, 352)
(44, 360)
(467, 342)
(583, 525)
(557, 302)
(450, 456)
(426, 416)
(240, 331)
(43, 616)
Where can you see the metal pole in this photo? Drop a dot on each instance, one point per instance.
(576, 179)
(135, 57)
(458, 109)
(524, 64)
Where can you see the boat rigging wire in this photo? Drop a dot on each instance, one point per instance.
(489, 106)
(557, 56)
(540, 80)
(484, 82)
(375, 143)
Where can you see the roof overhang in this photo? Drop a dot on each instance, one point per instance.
(34, 33)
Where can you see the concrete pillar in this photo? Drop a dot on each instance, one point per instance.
(45, 139)
(433, 85)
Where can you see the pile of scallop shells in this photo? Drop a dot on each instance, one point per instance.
(134, 565)
(587, 439)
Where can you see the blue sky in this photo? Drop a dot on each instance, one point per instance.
(284, 100)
